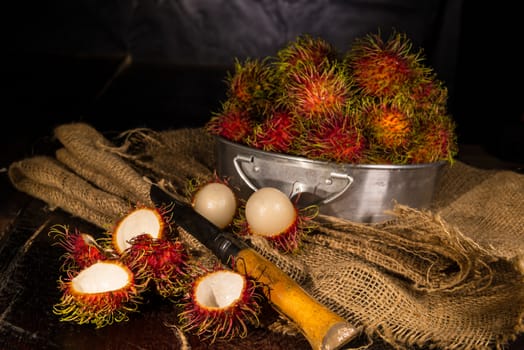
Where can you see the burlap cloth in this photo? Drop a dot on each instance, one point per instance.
(450, 277)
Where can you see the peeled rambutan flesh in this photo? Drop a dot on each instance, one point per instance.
(220, 304)
(140, 220)
(270, 213)
(101, 294)
(216, 201)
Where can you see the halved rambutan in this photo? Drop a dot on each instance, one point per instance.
(81, 249)
(220, 304)
(164, 262)
(214, 199)
(270, 213)
(153, 221)
(100, 294)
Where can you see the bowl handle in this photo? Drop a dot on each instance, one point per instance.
(297, 186)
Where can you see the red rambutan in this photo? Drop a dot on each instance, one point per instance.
(382, 68)
(436, 141)
(306, 50)
(82, 249)
(390, 125)
(232, 124)
(162, 261)
(277, 133)
(311, 94)
(220, 304)
(251, 86)
(336, 138)
(101, 294)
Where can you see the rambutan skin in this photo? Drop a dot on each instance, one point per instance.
(164, 262)
(99, 309)
(232, 123)
(336, 138)
(381, 67)
(81, 249)
(306, 50)
(277, 133)
(224, 323)
(313, 94)
(252, 86)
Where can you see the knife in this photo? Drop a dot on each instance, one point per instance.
(324, 329)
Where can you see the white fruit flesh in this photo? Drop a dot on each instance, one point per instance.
(216, 202)
(101, 277)
(269, 212)
(145, 220)
(219, 289)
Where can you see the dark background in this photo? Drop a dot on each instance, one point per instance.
(162, 64)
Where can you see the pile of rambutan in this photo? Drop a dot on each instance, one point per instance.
(377, 103)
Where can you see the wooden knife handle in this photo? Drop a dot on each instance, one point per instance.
(324, 329)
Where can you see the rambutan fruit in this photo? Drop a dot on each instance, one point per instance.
(277, 133)
(383, 67)
(214, 199)
(306, 50)
(100, 294)
(389, 123)
(270, 213)
(164, 262)
(231, 123)
(311, 93)
(336, 138)
(81, 249)
(220, 304)
(435, 141)
(156, 222)
(251, 86)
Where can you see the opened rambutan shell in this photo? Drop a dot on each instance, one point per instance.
(142, 219)
(101, 294)
(81, 249)
(220, 304)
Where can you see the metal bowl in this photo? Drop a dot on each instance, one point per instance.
(357, 192)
